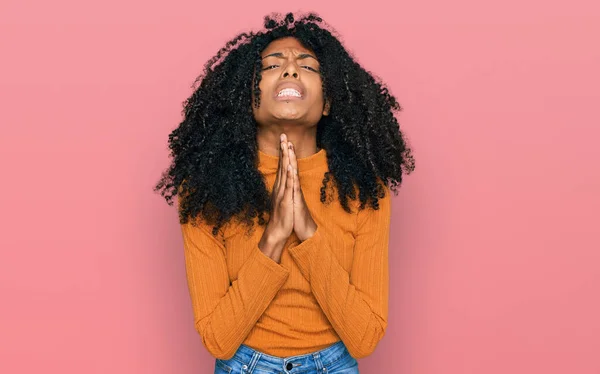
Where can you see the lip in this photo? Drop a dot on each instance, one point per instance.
(283, 85)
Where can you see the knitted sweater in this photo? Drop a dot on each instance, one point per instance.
(332, 286)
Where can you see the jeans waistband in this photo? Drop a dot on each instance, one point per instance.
(314, 361)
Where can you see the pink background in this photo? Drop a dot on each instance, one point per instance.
(495, 241)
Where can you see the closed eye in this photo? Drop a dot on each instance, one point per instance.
(274, 66)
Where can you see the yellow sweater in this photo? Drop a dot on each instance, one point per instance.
(332, 286)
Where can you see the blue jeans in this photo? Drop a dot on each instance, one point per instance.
(334, 359)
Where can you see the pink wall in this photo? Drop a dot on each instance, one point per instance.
(495, 250)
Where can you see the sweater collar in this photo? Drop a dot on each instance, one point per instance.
(269, 164)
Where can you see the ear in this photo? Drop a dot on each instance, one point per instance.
(327, 106)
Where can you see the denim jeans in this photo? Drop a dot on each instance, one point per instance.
(334, 359)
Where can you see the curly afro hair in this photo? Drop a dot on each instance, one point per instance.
(215, 152)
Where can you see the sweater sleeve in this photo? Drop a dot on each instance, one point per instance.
(355, 303)
(224, 311)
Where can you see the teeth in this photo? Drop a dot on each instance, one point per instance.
(289, 92)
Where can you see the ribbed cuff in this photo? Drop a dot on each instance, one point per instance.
(262, 264)
(305, 251)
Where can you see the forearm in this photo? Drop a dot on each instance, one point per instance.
(226, 312)
(358, 316)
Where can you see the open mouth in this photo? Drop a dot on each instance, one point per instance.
(288, 94)
(286, 91)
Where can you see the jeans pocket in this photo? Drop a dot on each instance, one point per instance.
(221, 367)
(346, 364)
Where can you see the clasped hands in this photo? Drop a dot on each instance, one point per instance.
(303, 224)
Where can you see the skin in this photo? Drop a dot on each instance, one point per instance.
(287, 129)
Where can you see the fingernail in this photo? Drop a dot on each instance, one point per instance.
(281, 137)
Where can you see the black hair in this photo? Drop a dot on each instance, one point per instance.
(214, 148)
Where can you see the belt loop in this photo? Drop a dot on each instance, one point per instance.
(253, 361)
(318, 363)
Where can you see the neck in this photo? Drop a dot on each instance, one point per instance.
(303, 139)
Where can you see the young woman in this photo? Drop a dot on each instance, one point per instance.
(283, 167)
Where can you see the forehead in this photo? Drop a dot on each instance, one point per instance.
(285, 45)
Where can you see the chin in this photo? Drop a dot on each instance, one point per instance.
(288, 115)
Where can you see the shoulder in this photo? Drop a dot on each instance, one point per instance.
(370, 218)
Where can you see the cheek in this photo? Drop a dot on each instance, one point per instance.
(317, 88)
(263, 96)
(267, 80)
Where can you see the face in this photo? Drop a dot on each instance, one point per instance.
(291, 86)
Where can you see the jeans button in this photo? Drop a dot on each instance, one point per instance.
(289, 366)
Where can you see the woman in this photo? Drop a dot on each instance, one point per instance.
(288, 132)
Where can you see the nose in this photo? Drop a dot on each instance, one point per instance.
(290, 69)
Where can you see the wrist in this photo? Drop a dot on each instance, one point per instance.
(270, 244)
(309, 233)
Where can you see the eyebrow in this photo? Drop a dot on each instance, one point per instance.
(280, 55)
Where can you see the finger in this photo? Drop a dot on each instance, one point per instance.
(282, 167)
(293, 184)
(278, 175)
(285, 158)
(297, 189)
(286, 153)
(292, 155)
(289, 185)
(294, 164)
